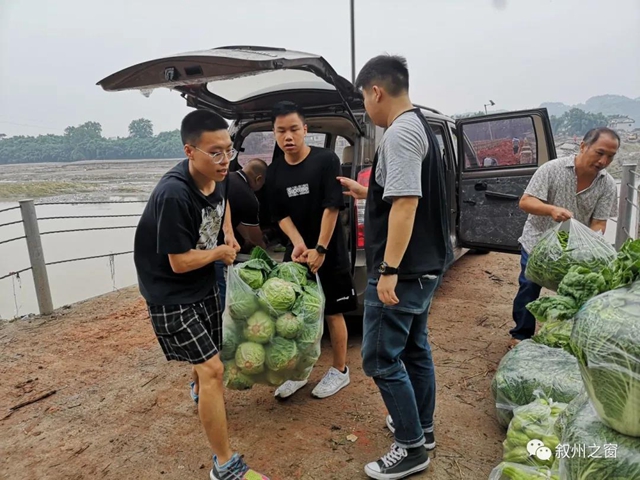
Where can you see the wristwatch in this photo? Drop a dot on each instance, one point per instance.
(321, 250)
(385, 269)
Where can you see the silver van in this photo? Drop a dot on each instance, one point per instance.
(487, 169)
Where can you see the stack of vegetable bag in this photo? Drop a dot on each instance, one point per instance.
(567, 245)
(272, 324)
(579, 285)
(602, 452)
(606, 342)
(516, 471)
(534, 422)
(532, 367)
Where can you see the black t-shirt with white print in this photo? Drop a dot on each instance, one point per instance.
(303, 192)
(178, 218)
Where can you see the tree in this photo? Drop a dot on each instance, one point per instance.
(578, 122)
(141, 128)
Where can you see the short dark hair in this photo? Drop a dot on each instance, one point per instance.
(593, 135)
(198, 122)
(285, 107)
(389, 70)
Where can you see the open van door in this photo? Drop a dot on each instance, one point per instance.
(498, 155)
(243, 81)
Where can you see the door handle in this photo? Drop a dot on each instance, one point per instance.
(503, 196)
(470, 202)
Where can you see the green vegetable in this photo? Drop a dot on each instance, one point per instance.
(253, 277)
(564, 246)
(515, 471)
(250, 358)
(291, 272)
(534, 421)
(529, 368)
(585, 428)
(277, 296)
(625, 269)
(281, 354)
(309, 356)
(241, 303)
(557, 307)
(581, 284)
(231, 338)
(556, 334)
(275, 378)
(309, 337)
(260, 328)
(260, 254)
(606, 341)
(233, 377)
(310, 304)
(288, 325)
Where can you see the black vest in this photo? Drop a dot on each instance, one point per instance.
(429, 251)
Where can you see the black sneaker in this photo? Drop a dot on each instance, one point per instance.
(429, 438)
(398, 463)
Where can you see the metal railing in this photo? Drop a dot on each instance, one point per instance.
(33, 237)
(628, 206)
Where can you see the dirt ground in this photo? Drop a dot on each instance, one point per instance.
(120, 411)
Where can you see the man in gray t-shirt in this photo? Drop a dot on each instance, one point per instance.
(571, 187)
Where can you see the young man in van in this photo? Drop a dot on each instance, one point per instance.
(175, 248)
(408, 249)
(306, 198)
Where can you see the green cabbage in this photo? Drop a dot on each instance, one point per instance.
(241, 303)
(231, 338)
(260, 328)
(555, 333)
(277, 296)
(309, 356)
(291, 272)
(252, 277)
(288, 325)
(301, 374)
(281, 354)
(516, 471)
(234, 379)
(606, 341)
(309, 337)
(259, 253)
(309, 305)
(275, 378)
(250, 358)
(530, 367)
(608, 454)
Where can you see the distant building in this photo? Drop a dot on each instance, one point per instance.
(622, 123)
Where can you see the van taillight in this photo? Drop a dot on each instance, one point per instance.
(363, 179)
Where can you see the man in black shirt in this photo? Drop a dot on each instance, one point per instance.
(305, 198)
(408, 249)
(175, 247)
(245, 213)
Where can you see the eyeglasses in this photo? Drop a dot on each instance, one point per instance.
(219, 157)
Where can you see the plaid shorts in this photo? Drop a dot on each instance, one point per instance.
(190, 333)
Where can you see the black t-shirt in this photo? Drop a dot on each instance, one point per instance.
(177, 218)
(303, 192)
(244, 205)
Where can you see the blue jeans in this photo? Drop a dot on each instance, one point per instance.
(528, 292)
(221, 279)
(397, 355)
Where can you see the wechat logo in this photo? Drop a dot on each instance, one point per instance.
(537, 449)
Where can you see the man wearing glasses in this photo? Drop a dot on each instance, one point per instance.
(175, 248)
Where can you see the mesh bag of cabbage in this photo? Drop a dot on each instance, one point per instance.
(566, 245)
(531, 367)
(516, 471)
(272, 324)
(591, 450)
(531, 438)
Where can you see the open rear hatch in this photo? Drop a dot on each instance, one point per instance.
(243, 81)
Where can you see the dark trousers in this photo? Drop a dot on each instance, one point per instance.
(527, 293)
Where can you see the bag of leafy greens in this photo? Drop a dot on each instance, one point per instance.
(564, 246)
(272, 324)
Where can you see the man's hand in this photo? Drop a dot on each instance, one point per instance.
(230, 241)
(387, 289)
(226, 253)
(314, 260)
(354, 189)
(560, 214)
(299, 253)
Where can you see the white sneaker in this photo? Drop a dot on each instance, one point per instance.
(288, 388)
(331, 383)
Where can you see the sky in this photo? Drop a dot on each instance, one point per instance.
(461, 53)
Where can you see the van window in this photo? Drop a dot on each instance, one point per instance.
(341, 144)
(316, 139)
(501, 143)
(257, 145)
